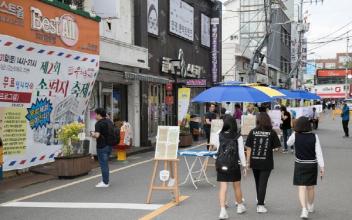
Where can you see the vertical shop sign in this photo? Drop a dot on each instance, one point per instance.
(184, 95)
(214, 49)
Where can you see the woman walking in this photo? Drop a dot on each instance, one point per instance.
(260, 144)
(308, 157)
(230, 138)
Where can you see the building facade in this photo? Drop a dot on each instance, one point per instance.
(279, 48)
(188, 31)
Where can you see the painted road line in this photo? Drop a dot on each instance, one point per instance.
(83, 180)
(78, 205)
(162, 209)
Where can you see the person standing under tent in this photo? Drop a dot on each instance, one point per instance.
(285, 127)
(209, 116)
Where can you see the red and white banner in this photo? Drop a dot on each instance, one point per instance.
(330, 91)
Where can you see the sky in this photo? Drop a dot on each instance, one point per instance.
(324, 19)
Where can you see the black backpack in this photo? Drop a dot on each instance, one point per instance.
(113, 138)
(227, 156)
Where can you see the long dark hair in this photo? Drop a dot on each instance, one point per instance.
(230, 126)
(264, 121)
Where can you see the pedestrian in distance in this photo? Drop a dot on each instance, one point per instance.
(260, 144)
(314, 118)
(104, 133)
(230, 153)
(209, 116)
(285, 127)
(308, 157)
(345, 118)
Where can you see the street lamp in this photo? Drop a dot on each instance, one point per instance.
(176, 65)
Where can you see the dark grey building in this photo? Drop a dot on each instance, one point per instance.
(187, 30)
(279, 48)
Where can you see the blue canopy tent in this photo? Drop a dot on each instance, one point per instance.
(306, 95)
(232, 93)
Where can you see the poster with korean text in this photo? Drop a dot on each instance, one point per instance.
(47, 74)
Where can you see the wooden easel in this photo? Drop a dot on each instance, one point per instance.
(172, 166)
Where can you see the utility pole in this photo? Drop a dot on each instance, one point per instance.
(257, 56)
(347, 64)
(300, 21)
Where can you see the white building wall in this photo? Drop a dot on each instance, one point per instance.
(230, 34)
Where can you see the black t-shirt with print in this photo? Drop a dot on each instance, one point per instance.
(262, 143)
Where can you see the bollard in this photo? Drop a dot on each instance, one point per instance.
(121, 152)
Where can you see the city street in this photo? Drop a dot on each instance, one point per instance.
(129, 184)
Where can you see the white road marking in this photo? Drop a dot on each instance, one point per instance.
(79, 205)
(82, 180)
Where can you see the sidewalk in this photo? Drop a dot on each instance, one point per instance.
(46, 172)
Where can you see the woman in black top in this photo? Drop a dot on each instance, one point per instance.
(260, 144)
(286, 127)
(229, 132)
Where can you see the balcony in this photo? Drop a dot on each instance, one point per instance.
(115, 51)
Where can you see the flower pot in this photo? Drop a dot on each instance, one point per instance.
(185, 140)
(73, 166)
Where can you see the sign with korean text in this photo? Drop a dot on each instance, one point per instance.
(181, 19)
(48, 66)
(184, 96)
(205, 30)
(248, 123)
(214, 49)
(167, 142)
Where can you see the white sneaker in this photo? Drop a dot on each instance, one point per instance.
(102, 185)
(261, 209)
(304, 213)
(243, 200)
(310, 208)
(223, 214)
(241, 208)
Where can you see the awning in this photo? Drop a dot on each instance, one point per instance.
(146, 78)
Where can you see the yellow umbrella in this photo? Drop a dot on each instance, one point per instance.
(267, 90)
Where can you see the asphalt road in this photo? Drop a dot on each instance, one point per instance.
(130, 185)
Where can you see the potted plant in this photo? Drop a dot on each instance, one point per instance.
(72, 161)
(185, 136)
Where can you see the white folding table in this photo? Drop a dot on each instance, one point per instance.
(200, 156)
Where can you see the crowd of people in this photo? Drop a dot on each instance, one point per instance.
(256, 153)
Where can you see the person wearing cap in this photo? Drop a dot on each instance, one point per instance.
(345, 115)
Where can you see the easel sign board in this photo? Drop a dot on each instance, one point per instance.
(275, 116)
(248, 123)
(167, 142)
(216, 126)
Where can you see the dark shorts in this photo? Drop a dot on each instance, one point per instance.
(229, 177)
(305, 174)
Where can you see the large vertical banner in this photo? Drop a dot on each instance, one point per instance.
(215, 49)
(184, 96)
(153, 17)
(49, 60)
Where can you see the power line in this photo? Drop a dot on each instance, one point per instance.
(244, 25)
(333, 32)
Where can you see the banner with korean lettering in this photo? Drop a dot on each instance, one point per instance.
(41, 89)
(184, 96)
